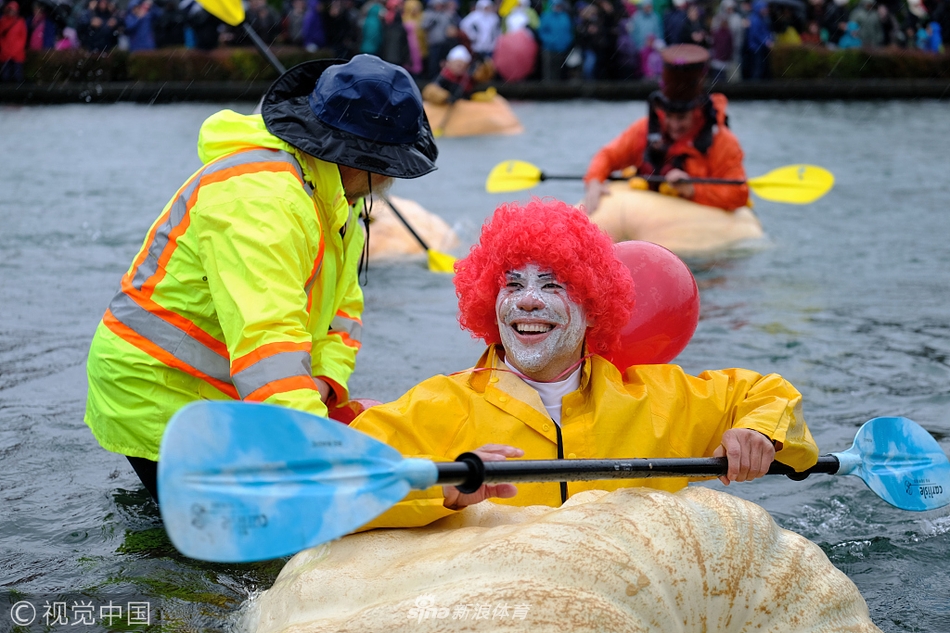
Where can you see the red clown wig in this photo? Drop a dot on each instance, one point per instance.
(555, 236)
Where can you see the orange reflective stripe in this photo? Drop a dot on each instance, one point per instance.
(248, 168)
(346, 340)
(282, 385)
(134, 338)
(266, 351)
(149, 286)
(341, 313)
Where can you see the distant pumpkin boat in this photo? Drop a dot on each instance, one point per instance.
(473, 118)
(633, 560)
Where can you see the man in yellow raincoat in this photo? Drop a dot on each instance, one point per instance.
(246, 286)
(544, 289)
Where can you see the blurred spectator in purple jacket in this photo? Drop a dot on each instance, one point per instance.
(314, 35)
(42, 29)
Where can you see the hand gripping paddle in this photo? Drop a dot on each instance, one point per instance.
(241, 482)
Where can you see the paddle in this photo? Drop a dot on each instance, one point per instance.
(440, 130)
(241, 482)
(232, 12)
(438, 262)
(795, 184)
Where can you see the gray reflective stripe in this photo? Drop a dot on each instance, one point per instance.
(170, 338)
(313, 279)
(350, 326)
(267, 370)
(179, 208)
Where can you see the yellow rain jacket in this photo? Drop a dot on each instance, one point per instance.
(651, 411)
(245, 288)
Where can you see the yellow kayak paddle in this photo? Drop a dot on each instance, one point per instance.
(438, 262)
(232, 12)
(794, 184)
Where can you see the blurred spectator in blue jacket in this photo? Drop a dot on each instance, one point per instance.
(930, 38)
(138, 25)
(556, 32)
(850, 38)
(372, 27)
(674, 24)
(645, 22)
(759, 40)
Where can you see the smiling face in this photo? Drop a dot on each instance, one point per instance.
(542, 329)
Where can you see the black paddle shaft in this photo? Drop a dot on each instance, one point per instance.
(654, 178)
(469, 472)
(405, 223)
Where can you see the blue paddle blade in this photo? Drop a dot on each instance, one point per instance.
(901, 462)
(241, 482)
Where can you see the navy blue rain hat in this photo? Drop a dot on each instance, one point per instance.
(364, 113)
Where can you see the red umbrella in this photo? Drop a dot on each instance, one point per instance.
(515, 54)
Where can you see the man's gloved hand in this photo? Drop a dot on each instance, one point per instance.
(682, 189)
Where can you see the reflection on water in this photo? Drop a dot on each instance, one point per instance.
(848, 300)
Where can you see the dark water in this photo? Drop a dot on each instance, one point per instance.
(850, 300)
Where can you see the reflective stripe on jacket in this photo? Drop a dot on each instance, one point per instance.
(246, 287)
(650, 411)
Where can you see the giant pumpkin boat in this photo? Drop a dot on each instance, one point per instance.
(632, 560)
(684, 227)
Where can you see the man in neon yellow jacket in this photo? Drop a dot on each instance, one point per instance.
(544, 289)
(247, 284)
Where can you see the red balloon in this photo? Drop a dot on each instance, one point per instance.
(666, 310)
(515, 54)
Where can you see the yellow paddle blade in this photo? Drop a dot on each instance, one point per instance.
(795, 184)
(441, 262)
(229, 11)
(512, 175)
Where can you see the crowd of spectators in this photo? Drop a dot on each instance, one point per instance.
(587, 39)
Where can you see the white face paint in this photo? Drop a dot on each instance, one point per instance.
(541, 329)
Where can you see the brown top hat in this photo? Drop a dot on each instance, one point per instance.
(684, 68)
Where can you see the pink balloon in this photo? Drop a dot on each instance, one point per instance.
(515, 54)
(666, 310)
